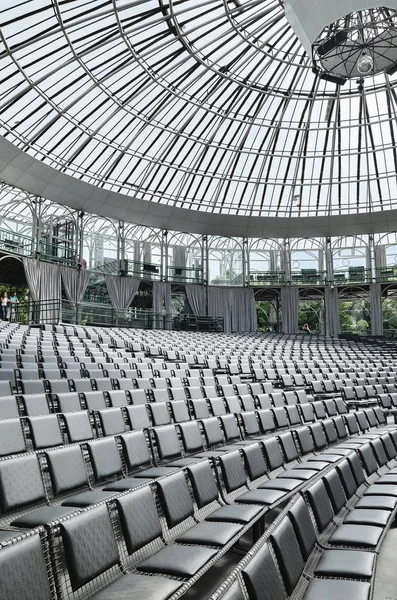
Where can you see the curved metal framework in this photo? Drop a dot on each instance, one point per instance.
(207, 105)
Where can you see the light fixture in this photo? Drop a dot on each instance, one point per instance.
(365, 63)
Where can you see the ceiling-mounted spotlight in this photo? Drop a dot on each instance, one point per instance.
(365, 63)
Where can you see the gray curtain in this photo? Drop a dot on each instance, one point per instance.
(161, 297)
(32, 272)
(179, 256)
(289, 308)
(375, 291)
(219, 305)
(380, 256)
(331, 303)
(75, 283)
(137, 251)
(147, 252)
(44, 282)
(196, 298)
(243, 309)
(122, 290)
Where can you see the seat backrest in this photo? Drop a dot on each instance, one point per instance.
(111, 421)
(319, 410)
(78, 426)
(191, 436)
(67, 469)
(212, 431)
(167, 442)
(288, 553)
(303, 527)
(255, 461)
(35, 404)
(200, 408)
(23, 570)
(159, 412)
(139, 502)
(94, 401)
(175, 499)
(105, 458)
(135, 450)
(217, 406)
(266, 420)
(318, 434)
(288, 446)
(320, 504)
(233, 404)
(335, 490)
(138, 416)
(179, 411)
(305, 440)
(280, 417)
(379, 452)
(307, 413)
(21, 482)
(273, 454)
(8, 407)
(250, 423)
(233, 472)
(261, 574)
(347, 478)
(69, 402)
(45, 431)
(330, 431)
(11, 437)
(86, 561)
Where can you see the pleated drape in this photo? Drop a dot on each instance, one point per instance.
(289, 308)
(375, 292)
(122, 290)
(331, 305)
(75, 283)
(196, 297)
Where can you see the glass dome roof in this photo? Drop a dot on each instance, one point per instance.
(208, 105)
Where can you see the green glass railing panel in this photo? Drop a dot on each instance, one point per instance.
(188, 274)
(57, 253)
(262, 278)
(15, 242)
(352, 275)
(308, 277)
(386, 274)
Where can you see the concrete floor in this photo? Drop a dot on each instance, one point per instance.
(386, 571)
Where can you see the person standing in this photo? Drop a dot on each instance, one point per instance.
(14, 306)
(4, 305)
(305, 328)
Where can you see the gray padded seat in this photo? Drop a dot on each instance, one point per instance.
(168, 446)
(179, 411)
(23, 571)
(233, 592)
(261, 574)
(112, 421)
(161, 395)
(137, 396)
(217, 406)
(118, 398)
(78, 426)
(138, 416)
(11, 437)
(35, 405)
(35, 386)
(8, 407)
(45, 431)
(234, 478)
(177, 504)
(159, 412)
(329, 589)
(69, 402)
(200, 408)
(5, 389)
(266, 420)
(94, 401)
(43, 516)
(58, 386)
(356, 535)
(181, 561)
(212, 431)
(129, 483)
(206, 491)
(135, 450)
(82, 385)
(103, 385)
(139, 586)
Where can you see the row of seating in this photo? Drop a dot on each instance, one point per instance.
(326, 542)
(105, 551)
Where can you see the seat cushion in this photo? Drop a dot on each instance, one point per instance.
(377, 502)
(182, 462)
(363, 516)
(324, 457)
(87, 498)
(7, 535)
(260, 497)
(42, 516)
(381, 489)
(287, 485)
(301, 474)
(337, 451)
(181, 561)
(315, 465)
(235, 514)
(139, 586)
(154, 472)
(129, 483)
(356, 535)
(346, 563)
(336, 588)
(389, 478)
(210, 534)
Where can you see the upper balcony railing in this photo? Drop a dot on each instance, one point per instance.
(185, 274)
(308, 277)
(16, 243)
(265, 278)
(384, 274)
(352, 276)
(58, 253)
